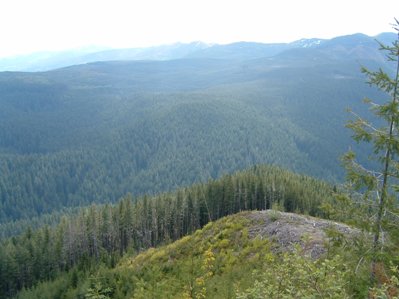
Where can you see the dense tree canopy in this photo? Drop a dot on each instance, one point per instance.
(93, 133)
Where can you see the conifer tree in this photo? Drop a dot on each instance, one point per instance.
(378, 187)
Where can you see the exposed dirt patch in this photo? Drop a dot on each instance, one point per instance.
(288, 229)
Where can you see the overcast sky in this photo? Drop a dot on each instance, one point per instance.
(35, 25)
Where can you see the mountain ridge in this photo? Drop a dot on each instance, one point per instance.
(231, 251)
(44, 61)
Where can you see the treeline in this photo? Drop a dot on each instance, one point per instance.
(13, 228)
(101, 234)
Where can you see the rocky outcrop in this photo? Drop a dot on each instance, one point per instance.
(288, 230)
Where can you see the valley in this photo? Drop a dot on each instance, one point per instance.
(95, 132)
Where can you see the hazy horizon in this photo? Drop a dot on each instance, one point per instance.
(99, 48)
(48, 26)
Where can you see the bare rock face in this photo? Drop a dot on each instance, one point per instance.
(288, 230)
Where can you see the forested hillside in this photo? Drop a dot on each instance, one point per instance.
(92, 133)
(249, 255)
(100, 235)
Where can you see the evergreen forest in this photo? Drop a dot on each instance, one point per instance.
(215, 172)
(95, 132)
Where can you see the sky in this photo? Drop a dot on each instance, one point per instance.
(28, 26)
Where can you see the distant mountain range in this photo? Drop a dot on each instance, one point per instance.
(44, 61)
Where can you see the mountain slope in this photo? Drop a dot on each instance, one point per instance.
(223, 259)
(101, 234)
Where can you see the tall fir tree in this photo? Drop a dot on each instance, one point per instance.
(378, 187)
